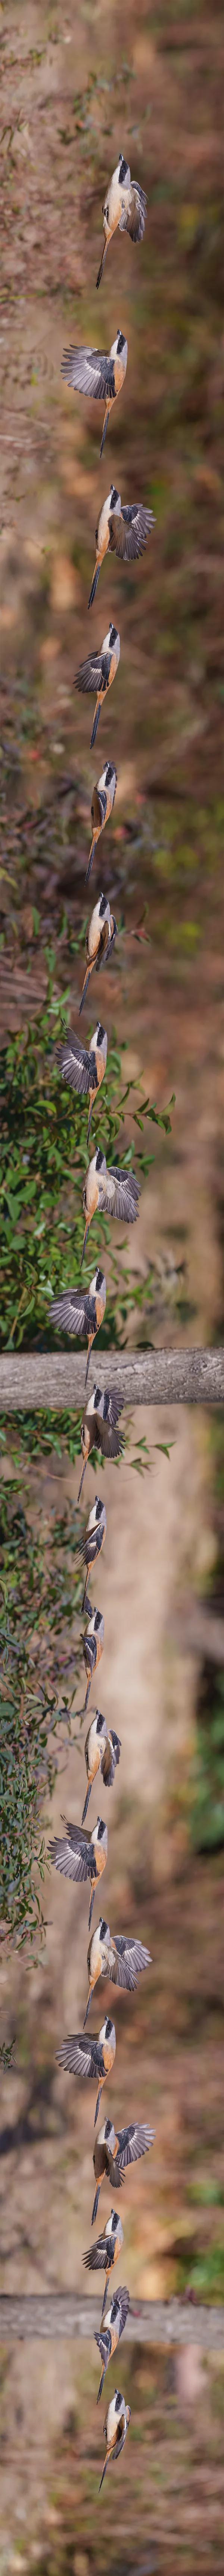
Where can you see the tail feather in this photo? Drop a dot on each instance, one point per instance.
(105, 427)
(90, 861)
(84, 990)
(104, 2297)
(103, 2376)
(92, 594)
(95, 728)
(82, 1479)
(98, 2104)
(90, 1343)
(104, 2470)
(100, 270)
(90, 1917)
(97, 2194)
(88, 1793)
(87, 2010)
(89, 1123)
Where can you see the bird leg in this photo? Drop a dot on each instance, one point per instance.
(105, 427)
(95, 725)
(100, 270)
(95, 2203)
(92, 594)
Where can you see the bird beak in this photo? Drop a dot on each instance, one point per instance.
(82, 1479)
(90, 1913)
(89, 1343)
(84, 1244)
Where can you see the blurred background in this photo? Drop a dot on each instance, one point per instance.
(72, 97)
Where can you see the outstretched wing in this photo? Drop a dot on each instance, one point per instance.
(133, 2142)
(76, 1066)
(72, 1855)
(98, 808)
(99, 2256)
(107, 1439)
(126, 1960)
(110, 1757)
(124, 2304)
(89, 674)
(74, 1313)
(118, 1194)
(129, 531)
(134, 210)
(89, 371)
(81, 2056)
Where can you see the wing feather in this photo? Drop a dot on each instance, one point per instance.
(110, 1758)
(89, 371)
(130, 531)
(118, 1194)
(89, 674)
(99, 2256)
(109, 1440)
(134, 2142)
(132, 219)
(126, 1960)
(74, 1064)
(74, 1314)
(80, 2057)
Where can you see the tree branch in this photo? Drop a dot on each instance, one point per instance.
(156, 2321)
(56, 1381)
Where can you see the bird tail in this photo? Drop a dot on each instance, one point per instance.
(105, 427)
(98, 2103)
(103, 2376)
(97, 2195)
(95, 727)
(104, 2470)
(90, 862)
(93, 1893)
(84, 1594)
(92, 594)
(84, 989)
(82, 1479)
(88, 1128)
(87, 2010)
(90, 1342)
(104, 2298)
(85, 1240)
(88, 1795)
(100, 270)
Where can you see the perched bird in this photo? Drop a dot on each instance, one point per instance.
(90, 371)
(114, 2150)
(99, 1426)
(109, 1193)
(109, 2336)
(77, 1313)
(93, 1643)
(82, 1067)
(98, 672)
(124, 204)
(102, 806)
(81, 1855)
(100, 936)
(102, 1752)
(117, 2421)
(122, 530)
(115, 1955)
(102, 2256)
(90, 2057)
(95, 1535)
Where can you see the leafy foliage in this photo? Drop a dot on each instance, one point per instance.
(207, 1815)
(41, 1589)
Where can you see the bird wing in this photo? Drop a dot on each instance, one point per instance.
(129, 532)
(124, 2304)
(104, 2344)
(89, 371)
(81, 2056)
(90, 1652)
(76, 1065)
(133, 2142)
(110, 1758)
(115, 2176)
(98, 807)
(134, 210)
(107, 1439)
(72, 1856)
(99, 2256)
(76, 1314)
(114, 1404)
(90, 673)
(126, 1958)
(118, 1194)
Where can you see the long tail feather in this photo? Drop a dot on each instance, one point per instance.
(91, 1912)
(93, 735)
(105, 427)
(86, 1800)
(95, 2203)
(89, 1120)
(104, 2471)
(84, 989)
(91, 1340)
(84, 1594)
(84, 1245)
(105, 2297)
(98, 2104)
(87, 2011)
(101, 2386)
(82, 1479)
(100, 270)
(90, 862)
(92, 595)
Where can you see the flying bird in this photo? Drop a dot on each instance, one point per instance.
(82, 1067)
(116, 1956)
(93, 1644)
(81, 1855)
(99, 1426)
(95, 1535)
(83, 1314)
(110, 2333)
(102, 806)
(102, 1752)
(91, 372)
(115, 2428)
(100, 936)
(92, 2058)
(113, 1192)
(122, 530)
(124, 204)
(102, 2256)
(98, 672)
(116, 2149)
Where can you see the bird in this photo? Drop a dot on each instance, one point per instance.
(99, 1426)
(113, 1192)
(93, 1643)
(109, 2335)
(77, 1312)
(125, 204)
(102, 805)
(95, 1535)
(102, 1752)
(81, 1855)
(90, 371)
(122, 530)
(100, 936)
(98, 672)
(115, 2428)
(82, 1067)
(90, 2057)
(116, 2149)
(115, 1955)
(102, 2256)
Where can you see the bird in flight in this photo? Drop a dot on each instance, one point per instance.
(99, 1426)
(91, 372)
(115, 2428)
(101, 808)
(94, 1540)
(98, 672)
(100, 936)
(110, 2333)
(91, 2058)
(93, 1643)
(81, 1855)
(124, 204)
(108, 1193)
(116, 1956)
(116, 2149)
(82, 1067)
(102, 2256)
(102, 1752)
(122, 530)
(79, 1313)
